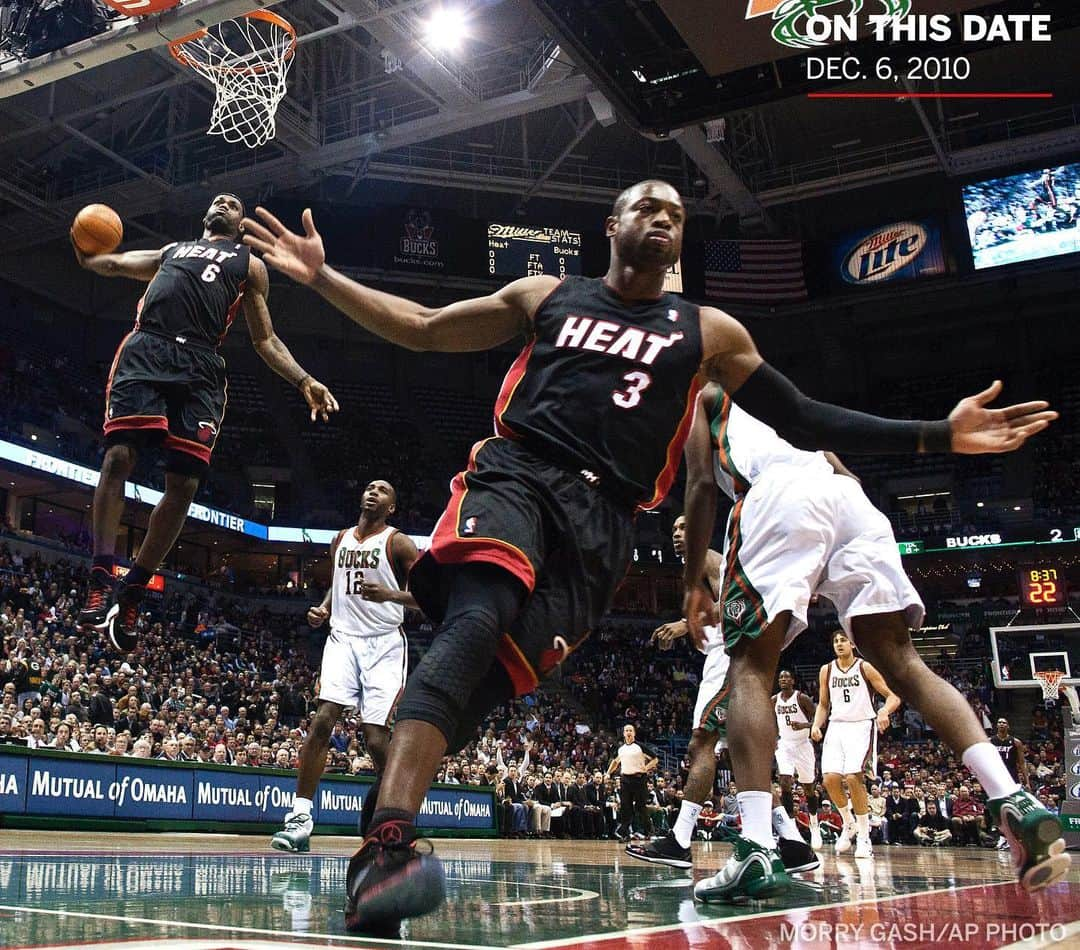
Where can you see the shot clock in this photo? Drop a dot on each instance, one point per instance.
(1042, 585)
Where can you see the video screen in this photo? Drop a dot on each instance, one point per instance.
(1024, 217)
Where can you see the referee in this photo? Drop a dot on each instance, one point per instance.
(634, 767)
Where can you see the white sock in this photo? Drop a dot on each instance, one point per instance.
(983, 759)
(686, 823)
(302, 806)
(845, 813)
(756, 811)
(862, 822)
(783, 824)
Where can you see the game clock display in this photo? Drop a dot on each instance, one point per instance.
(1042, 586)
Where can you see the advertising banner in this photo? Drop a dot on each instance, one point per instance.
(903, 250)
(37, 783)
(1070, 807)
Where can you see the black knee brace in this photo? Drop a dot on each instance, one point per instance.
(483, 602)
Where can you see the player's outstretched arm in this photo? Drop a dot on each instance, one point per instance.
(138, 265)
(700, 512)
(732, 359)
(273, 352)
(468, 325)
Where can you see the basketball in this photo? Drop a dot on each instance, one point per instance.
(97, 230)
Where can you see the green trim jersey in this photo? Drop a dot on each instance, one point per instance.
(744, 449)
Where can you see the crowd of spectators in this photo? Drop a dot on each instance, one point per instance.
(220, 680)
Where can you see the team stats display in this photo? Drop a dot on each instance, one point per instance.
(516, 250)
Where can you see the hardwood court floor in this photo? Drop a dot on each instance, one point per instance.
(212, 892)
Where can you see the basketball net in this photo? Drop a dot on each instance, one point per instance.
(247, 60)
(1050, 680)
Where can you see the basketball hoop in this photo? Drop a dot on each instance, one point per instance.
(247, 60)
(1050, 681)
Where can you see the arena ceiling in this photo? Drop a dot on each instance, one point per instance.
(542, 102)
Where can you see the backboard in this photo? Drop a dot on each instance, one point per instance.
(1021, 652)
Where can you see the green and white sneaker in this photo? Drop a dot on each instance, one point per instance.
(296, 835)
(1035, 839)
(751, 873)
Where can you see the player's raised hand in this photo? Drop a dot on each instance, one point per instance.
(320, 400)
(316, 616)
(298, 256)
(977, 429)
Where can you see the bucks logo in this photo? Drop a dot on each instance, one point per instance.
(734, 610)
(791, 16)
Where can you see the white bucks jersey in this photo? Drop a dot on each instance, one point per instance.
(745, 449)
(788, 713)
(849, 694)
(355, 562)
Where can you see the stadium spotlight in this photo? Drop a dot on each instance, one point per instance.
(446, 28)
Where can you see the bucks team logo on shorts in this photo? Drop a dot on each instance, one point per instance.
(792, 16)
(735, 609)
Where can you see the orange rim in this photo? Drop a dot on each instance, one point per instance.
(181, 56)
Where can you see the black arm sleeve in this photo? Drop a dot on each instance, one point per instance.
(770, 396)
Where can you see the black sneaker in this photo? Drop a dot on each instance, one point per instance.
(389, 879)
(797, 856)
(123, 618)
(664, 850)
(95, 610)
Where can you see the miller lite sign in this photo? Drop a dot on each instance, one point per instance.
(902, 251)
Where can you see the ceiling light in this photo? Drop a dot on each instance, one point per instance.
(446, 28)
(980, 504)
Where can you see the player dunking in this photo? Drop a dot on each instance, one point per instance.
(167, 387)
(801, 525)
(794, 751)
(850, 750)
(366, 657)
(539, 529)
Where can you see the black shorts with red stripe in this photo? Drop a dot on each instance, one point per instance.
(568, 544)
(171, 390)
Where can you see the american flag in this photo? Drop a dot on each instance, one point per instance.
(755, 272)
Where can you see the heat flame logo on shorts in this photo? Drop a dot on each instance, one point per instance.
(791, 16)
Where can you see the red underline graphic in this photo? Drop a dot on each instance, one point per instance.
(900, 94)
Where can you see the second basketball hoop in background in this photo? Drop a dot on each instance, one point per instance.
(247, 60)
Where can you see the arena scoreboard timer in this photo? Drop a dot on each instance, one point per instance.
(516, 250)
(1042, 585)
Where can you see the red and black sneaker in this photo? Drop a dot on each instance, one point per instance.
(95, 610)
(123, 619)
(389, 879)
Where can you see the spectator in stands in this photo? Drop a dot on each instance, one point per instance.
(932, 828)
(967, 823)
(879, 823)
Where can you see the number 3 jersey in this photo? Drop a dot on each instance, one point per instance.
(606, 388)
(358, 560)
(196, 293)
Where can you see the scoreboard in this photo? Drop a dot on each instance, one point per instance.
(516, 250)
(1042, 585)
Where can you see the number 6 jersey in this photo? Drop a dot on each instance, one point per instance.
(606, 388)
(357, 560)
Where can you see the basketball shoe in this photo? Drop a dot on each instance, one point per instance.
(122, 621)
(296, 835)
(388, 879)
(1035, 840)
(751, 873)
(863, 848)
(95, 610)
(666, 850)
(797, 856)
(843, 843)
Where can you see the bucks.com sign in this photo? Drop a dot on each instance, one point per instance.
(905, 250)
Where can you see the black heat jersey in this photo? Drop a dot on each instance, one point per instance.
(196, 293)
(1007, 750)
(606, 388)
